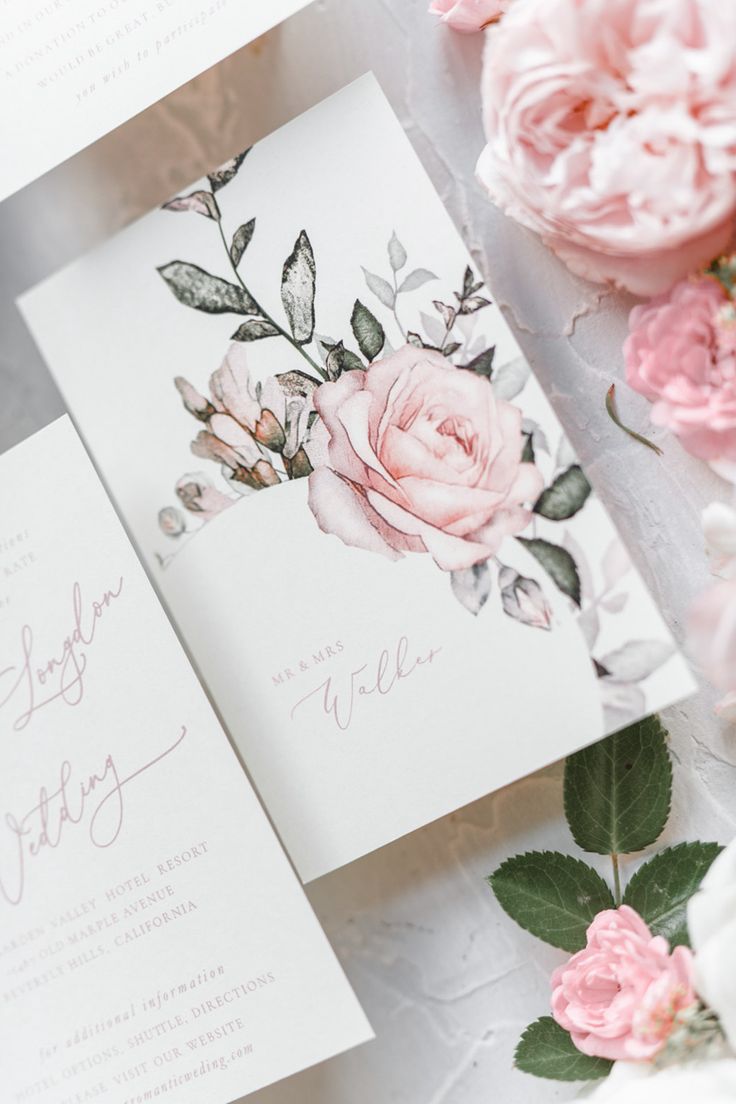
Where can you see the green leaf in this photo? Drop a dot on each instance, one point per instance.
(618, 792)
(196, 288)
(339, 360)
(202, 203)
(547, 1050)
(241, 241)
(368, 331)
(527, 454)
(381, 288)
(558, 563)
(222, 176)
(553, 896)
(254, 330)
(565, 496)
(482, 365)
(661, 888)
(396, 253)
(416, 279)
(298, 283)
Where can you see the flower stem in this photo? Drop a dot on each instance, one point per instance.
(266, 316)
(616, 879)
(613, 415)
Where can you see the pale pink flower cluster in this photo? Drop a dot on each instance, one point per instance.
(611, 129)
(468, 16)
(681, 354)
(621, 995)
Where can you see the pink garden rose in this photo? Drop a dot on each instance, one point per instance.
(620, 996)
(681, 354)
(611, 128)
(468, 16)
(422, 458)
(712, 639)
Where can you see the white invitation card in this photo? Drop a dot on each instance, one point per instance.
(155, 943)
(357, 503)
(72, 70)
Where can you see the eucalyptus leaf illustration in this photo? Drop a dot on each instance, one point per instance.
(201, 202)
(472, 586)
(396, 253)
(368, 331)
(563, 498)
(470, 284)
(558, 563)
(381, 288)
(416, 279)
(222, 176)
(523, 599)
(196, 288)
(298, 283)
(241, 240)
(254, 330)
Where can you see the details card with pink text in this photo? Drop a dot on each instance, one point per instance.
(355, 499)
(155, 941)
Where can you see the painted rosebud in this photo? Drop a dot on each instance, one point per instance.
(195, 403)
(523, 599)
(172, 521)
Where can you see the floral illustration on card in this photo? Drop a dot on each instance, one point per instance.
(413, 440)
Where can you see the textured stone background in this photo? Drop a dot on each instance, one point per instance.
(447, 980)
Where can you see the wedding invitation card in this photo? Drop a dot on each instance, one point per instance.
(75, 69)
(352, 494)
(155, 941)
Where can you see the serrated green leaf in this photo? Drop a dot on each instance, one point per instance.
(368, 331)
(298, 283)
(662, 887)
(241, 241)
(196, 288)
(565, 497)
(546, 1050)
(618, 791)
(558, 563)
(551, 895)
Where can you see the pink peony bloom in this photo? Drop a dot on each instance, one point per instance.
(611, 128)
(422, 458)
(468, 16)
(712, 640)
(620, 996)
(681, 354)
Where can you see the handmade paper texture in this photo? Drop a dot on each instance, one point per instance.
(75, 69)
(155, 941)
(396, 581)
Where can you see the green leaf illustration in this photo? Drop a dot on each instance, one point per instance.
(482, 365)
(527, 453)
(551, 895)
(222, 176)
(241, 241)
(298, 282)
(416, 279)
(368, 331)
(618, 792)
(254, 330)
(546, 1050)
(565, 496)
(201, 202)
(558, 563)
(396, 253)
(196, 288)
(660, 890)
(339, 360)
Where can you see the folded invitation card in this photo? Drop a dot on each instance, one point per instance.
(396, 581)
(75, 69)
(155, 940)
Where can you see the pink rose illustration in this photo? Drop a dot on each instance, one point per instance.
(611, 130)
(620, 997)
(681, 354)
(468, 16)
(422, 458)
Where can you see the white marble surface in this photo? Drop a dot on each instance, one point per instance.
(446, 978)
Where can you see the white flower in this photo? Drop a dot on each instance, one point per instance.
(711, 918)
(709, 1082)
